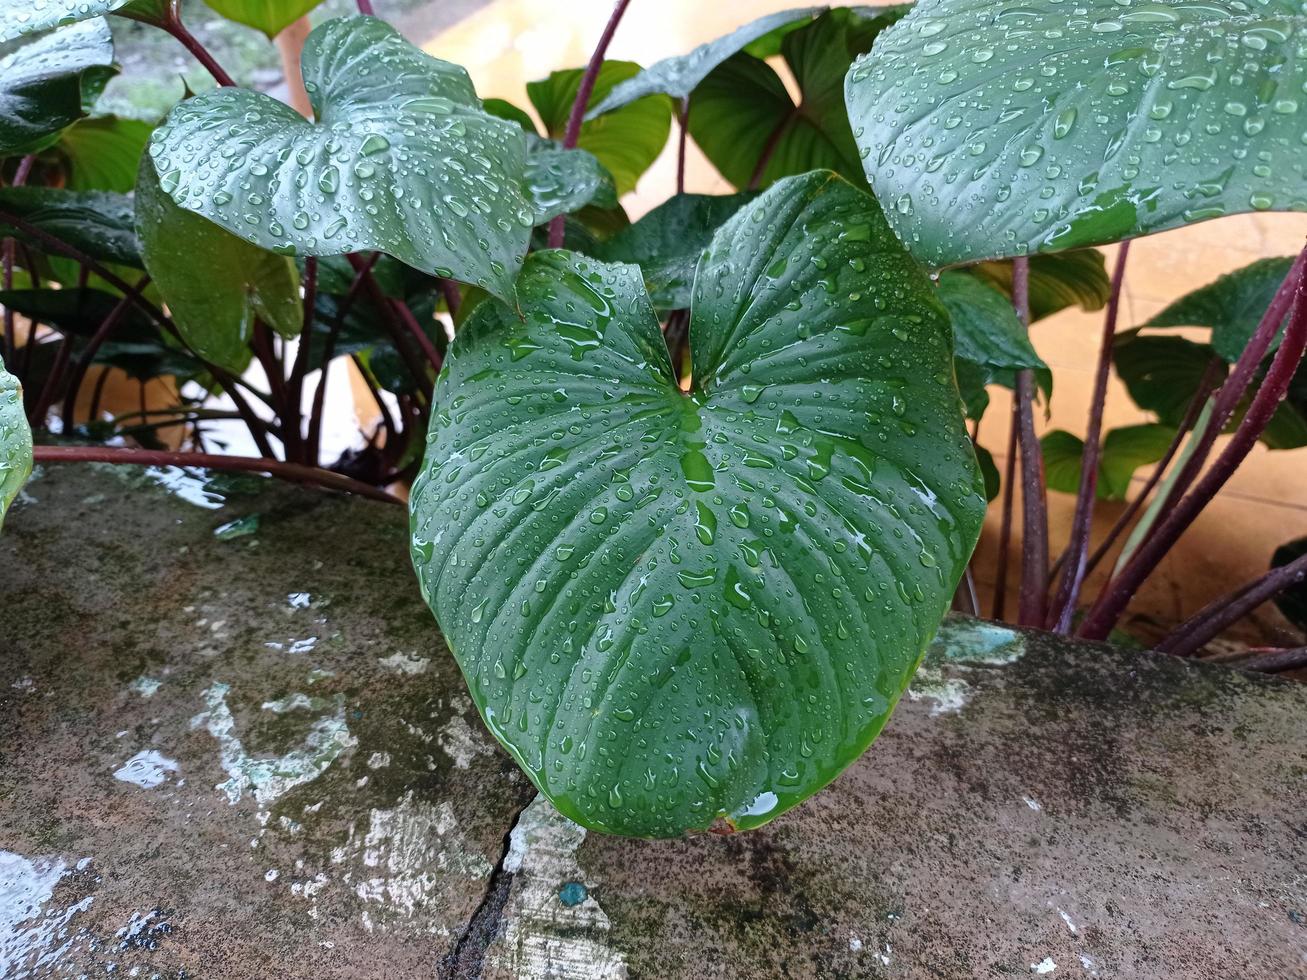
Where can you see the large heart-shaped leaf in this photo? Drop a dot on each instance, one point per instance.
(19, 17)
(401, 159)
(269, 16)
(994, 128)
(680, 75)
(50, 82)
(1161, 373)
(667, 242)
(214, 312)
(626, 141)
(99, 223)
(743, 117)
(1122, 452)
(15, 441)
(677, 607)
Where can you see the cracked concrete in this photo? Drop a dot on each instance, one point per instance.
(1036, 809)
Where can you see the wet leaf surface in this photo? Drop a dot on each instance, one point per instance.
(15, 441)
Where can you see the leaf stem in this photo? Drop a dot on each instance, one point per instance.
(1190, 636)
(390, 311)
(172, 23)
(1034, 503)
(365, 8)
(1113, 600)
(1077, 550)
(84, 360)
(1005, 526)
(151, 457)
(582, 100)
(21, 173)
(302, 354)
(683, 122)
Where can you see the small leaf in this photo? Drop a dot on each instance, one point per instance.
(1123, 451)
(986, 330)
(103, 153)
(15, 441)
(626, 141)
(560, 181)
(50, 82)
(679, 76)
(1293, 601)
(993, 482)
(373, 172)
(1058, 281)
(667, 242)
(996, 129)
(269, 16)
(506, 110)
(214, 312)
(1232, 306)
(1161, 373)
(19, 17)
(677, 607)
(99, 223)
(742, 113)
(973, 380)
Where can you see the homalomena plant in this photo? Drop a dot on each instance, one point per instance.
(697, 489)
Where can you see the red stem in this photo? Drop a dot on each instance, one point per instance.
(582, 100)
(174, 26)
(1073, 574)
(21, 174)
(684, 123)
(390, 314)
(365, 8)
(1113, 600)
(301, 365)
(1005, 528)
(107, 326)
(151, 457)
(1190, 636)
(1274, 661)
(1034, 504)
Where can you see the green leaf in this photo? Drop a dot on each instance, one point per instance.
(1232, 306)
(1161, 373)
(667, 242)
(989, 472)
(269, 16)
(15, 441)
(973, 379)
(374, 172)
(986, 330)
(215, 310)
(1293, 601)
(19, 17)
(626, 141)
(50, 82)
(99, 223)
(560, 181)
(506, 110)
(1057, 281)
(679, 76)
(992, 128)
(673, 608)
(1288, 426)
(742, 112)
(103, 153)
(1124, 450)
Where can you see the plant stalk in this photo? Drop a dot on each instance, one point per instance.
(1034, 503)
(174, 26)
(1005, 527)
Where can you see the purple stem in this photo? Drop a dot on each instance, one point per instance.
(1034, 505)
(174, 26)
(1113, 600)
(1073, 574)
(582, 100)
(1005, 527)
(107, 327)
(301, 366)
(21, 174)
(365, 8)
(684, 122)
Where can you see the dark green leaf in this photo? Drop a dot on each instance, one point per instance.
(99, 223)
(103, 153)
(1057, 282)
(15, 441)
(560, 181)
(506, 110)
(674, 608)
(50, 82)
(626, 141)
(1161, 373)
(742, 114)
(973, 380)
(1123, 451)
(373, 172)
(19, 17)
(1232, 306)
(667, 242)
(989, 472)
(986, 330)
(994, 128)
(1288, 426)
(214, 310)
(269, 16)
(679, 76)
(1293, 601)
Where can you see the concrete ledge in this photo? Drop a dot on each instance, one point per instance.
(233, 745)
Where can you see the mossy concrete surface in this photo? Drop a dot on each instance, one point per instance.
(232, 744)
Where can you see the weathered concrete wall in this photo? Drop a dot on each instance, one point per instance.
(232, 745)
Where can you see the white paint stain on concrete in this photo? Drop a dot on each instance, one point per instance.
(405, 663)
(146, 769)
(145, 686)
(271, 777)
(1044, 966)
(35, 931)
(543, 937)
(459, 740)
(1069, 924)
(950, 695)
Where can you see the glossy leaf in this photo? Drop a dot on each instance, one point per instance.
(1057, 281)
(667, 242)
(993, 128)
(989, 473)
(506, 110)
(269, 16)
(986, 330)
(1123, 451)
(374, 171)
(214, 312)
(1161, 373)
(1293, 601)
(19, 17)
(626, 141)
(674, 608)
(1232, 306)
(15, 441)
(679, 76)
(50, 82)
(99, 223)
(560, 181)
(973, 380)
(103, 153)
